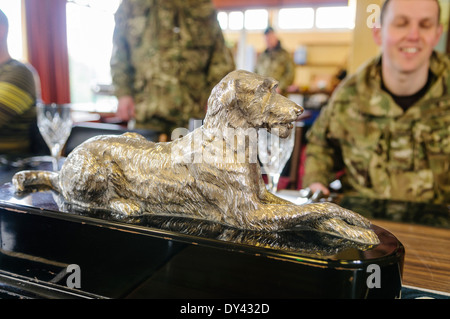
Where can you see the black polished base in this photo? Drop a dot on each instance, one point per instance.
(153, 258)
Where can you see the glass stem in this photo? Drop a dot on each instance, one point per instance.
(55, 164)
(56, 154)
(273, 180)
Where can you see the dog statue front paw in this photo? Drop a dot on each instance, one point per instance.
(341, 228)
(336, 220)
(324, 217)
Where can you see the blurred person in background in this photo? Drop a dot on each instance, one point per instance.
(276, 62)
(388, 126)
(167, 57)
(17, 99)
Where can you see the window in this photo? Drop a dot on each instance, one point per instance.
(222, 17)
(256, 19)
(235, 20)
(90, 26)
(13, 10)
(335, 18)
(306, 18)
(296, 18)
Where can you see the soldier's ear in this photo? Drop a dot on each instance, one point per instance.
(376, 34)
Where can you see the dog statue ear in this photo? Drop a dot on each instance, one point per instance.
(269, 84)
(223, 95)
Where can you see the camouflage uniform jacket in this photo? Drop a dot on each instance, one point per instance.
(387, 153)
(168, 55)
(278, 64)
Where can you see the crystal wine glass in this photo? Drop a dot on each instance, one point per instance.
(55, 125)
(274, 152)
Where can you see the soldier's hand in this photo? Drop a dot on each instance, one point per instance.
(314, 187)
(125, 108)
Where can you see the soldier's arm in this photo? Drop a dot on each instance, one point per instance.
(289, 74)
(320, 154)
(258, 64)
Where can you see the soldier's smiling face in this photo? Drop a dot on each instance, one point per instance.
(409, 32)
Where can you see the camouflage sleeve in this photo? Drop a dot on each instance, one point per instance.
(258, 64)
(122, 71)
(320, 153)
(289, 74)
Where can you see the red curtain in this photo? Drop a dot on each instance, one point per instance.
(47, 47)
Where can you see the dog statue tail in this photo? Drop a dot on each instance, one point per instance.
(25, 179)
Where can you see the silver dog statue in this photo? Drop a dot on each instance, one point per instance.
(200, 175)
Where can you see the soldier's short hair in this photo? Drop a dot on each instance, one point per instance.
(385, 4)
(268, 30)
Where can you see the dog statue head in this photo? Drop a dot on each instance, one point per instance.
(247, 100)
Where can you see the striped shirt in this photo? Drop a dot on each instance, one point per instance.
(17, 111)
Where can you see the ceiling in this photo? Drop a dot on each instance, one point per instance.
(239, 4)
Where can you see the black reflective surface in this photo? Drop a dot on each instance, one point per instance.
(299, 241)
(181, 258)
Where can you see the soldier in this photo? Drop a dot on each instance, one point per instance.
(388, 125)
(276, 62)
(167, 56)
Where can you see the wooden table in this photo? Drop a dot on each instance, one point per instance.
(427, 248)
(427, 258)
